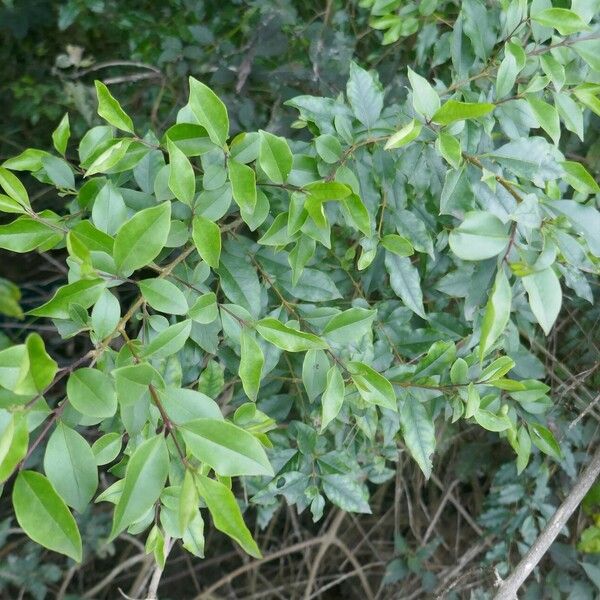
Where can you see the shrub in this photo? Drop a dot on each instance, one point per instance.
(297, 312)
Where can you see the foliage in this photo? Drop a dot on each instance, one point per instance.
(266, 316)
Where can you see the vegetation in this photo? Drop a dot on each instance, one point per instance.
(265, 294)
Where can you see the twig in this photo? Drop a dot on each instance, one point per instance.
(130, 562)
(158, 571)
(509, 587)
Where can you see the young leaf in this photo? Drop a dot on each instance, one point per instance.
(542, 438)
(145, 479)
(110, 109)
(182, 181)
(225, 447)
(44, 516)
(139, 241)
(14, 188)
(14, 439)
(226, 513)
(454, 110)
(333, 397)
(563, 20)
(210, 111)
(424, 98)
(497, 313)
(61, 135)
(286, 338)
(372, 386)
(404, 136)
(251, 364)
(207, 239)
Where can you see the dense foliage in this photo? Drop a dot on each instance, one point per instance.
(259, 317)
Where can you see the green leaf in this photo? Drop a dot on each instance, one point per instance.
(205, 309)
(563, 20)
(497, 313)
(43, 367)
(481, 235)
(333, 397)
(314, 373)
(251, 364)
(328, 148)
(183, 405)
(25, 234)
(139, 241)
(579, 178)
(524, 451)
(14, 188)
(345, 492)
(547, 117)
(349, 325)
(373, 387)
(211, 380)
(492, 422)
(397, 244)
(14, 440)
(207, 239)
(110, 109)
(365, 95)
(407, 134)
(226, 513)
(44, 516)
(449, 148)
(498, 368)
(188, 500)
(84, 292)
(105, 315)
(473, 401)
(145, 479)
(543, 439)
(545, 297)
(61, 135)
(225, 447)
(274, 157)
(589, 50)
(418, 432)
(405, 281)
(424, 98)
(169, 340)
(107, 448)
(164, 296)
(454, 110)
(210, 111)
(92, 393)
(182, 181)
(239, 282)
(107, 159)
(70, 466)
(243, 184)
(286, 338)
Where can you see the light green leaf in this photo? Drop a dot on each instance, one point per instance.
(44, 516)
(110, 109)
(25, 234)
(547, 117)
(169, 340)
(454, 110)
(497, 313)
(14, 440)
(251, 364)
(492, 422)
(84, 292)
(207, 239)
(107, 448)
(333, 397)
(481, 235)
(14, 188)
(407, 134)
(61, 135)
(424, 98)
(563, 20)
(349, 325)
(205, 309)
(70, 466)
(210, 111)
(105, 315)
(286, 338)
(92, 393)
(397, 244)
(243, 184)
(373, 387)
(449, 148)
(418, 433)
(314, 373)
(164, 296)
(226, 513)
(182, 181)
(579, 178)
(225, 447)
(545, 296)
(43, 367)
(543, 438)
(139, 241)
(145, 479)
(274, 157)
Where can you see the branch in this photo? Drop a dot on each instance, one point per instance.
(509, 587)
